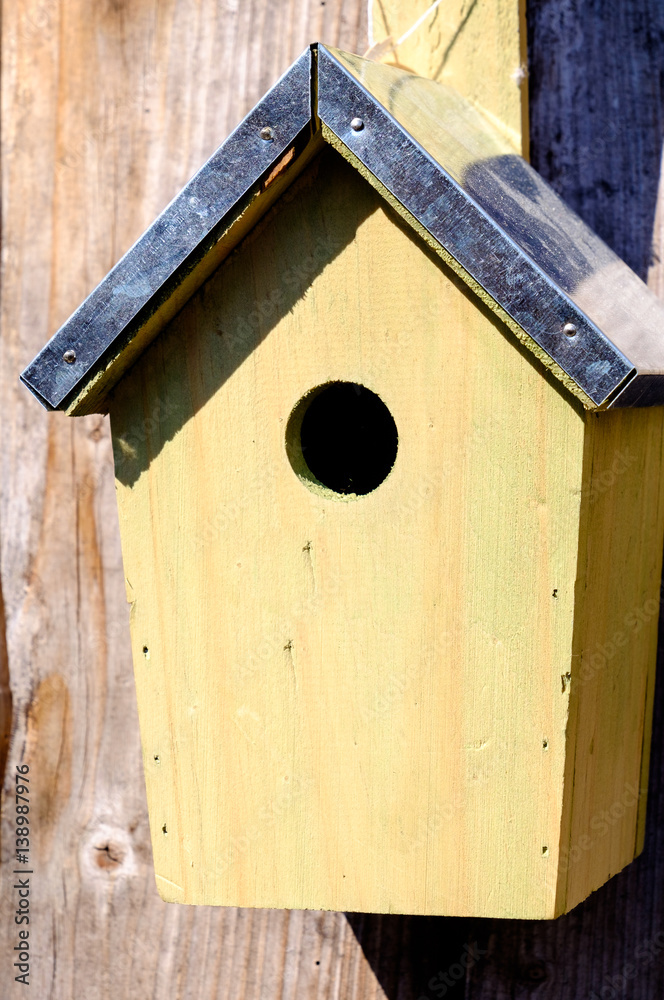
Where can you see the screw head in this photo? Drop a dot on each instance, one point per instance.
(69, 357)
(267, 134)
(569, 330)
(357, 124)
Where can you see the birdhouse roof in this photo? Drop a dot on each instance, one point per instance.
(452, 174)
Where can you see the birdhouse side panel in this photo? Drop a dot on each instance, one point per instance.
(615, 648)
(349, 701)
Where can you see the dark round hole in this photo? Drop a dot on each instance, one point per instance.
(342, 435)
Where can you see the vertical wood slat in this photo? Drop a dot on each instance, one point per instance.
(476, 46)
(107, 110)
(597, 127)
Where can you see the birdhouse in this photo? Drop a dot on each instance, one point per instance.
(388, 429)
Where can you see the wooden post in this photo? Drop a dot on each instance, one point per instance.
(476, 46)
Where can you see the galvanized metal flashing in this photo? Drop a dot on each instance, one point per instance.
(470, 233)
(170, 247)
(435, 154)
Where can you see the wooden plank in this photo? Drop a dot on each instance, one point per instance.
(615, 645)
(106, 112)
(6, 699)
(476, 46)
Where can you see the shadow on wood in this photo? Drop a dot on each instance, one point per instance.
(282, 274)
(420, 956)
(596, 135)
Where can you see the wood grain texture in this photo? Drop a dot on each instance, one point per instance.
(335, 696)
(597, 109)
(476, 46)
(106, 112)
(597, 122)
(411, 673)
(615, 645)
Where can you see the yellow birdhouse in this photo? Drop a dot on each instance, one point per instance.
(387, 421)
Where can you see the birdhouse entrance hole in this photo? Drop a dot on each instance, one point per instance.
(341, 440)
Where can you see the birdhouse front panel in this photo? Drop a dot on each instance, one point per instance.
(351, 696)
(388, 429)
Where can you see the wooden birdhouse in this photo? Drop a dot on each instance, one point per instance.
(388, 431)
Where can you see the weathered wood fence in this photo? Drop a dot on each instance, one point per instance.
(107, 109)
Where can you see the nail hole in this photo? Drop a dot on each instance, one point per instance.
(157, 758)
(164, 830)
(146, 652)
(545, 744)
(545, 852)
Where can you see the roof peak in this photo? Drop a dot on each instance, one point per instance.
(454, 177)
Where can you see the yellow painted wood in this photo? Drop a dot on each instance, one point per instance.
(615, 645)
(107, 110)
(359, 704)
(477, 46)
(472, 285)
